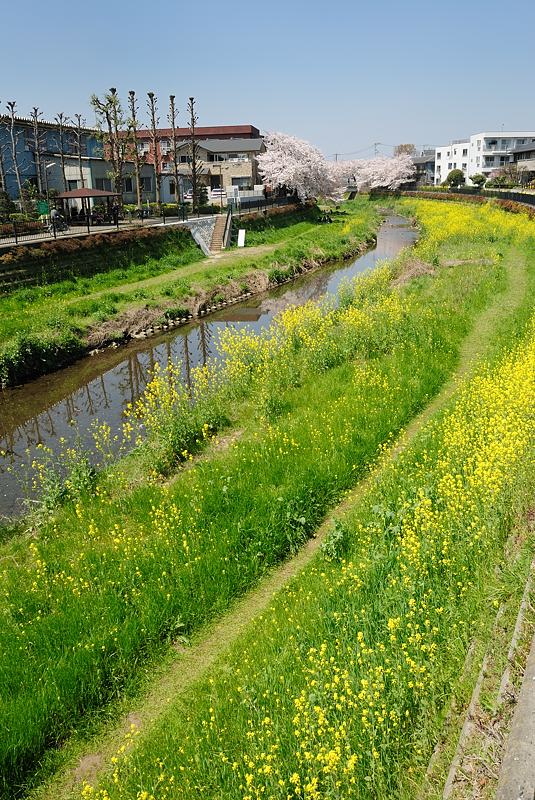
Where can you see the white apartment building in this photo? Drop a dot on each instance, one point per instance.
(480, 153)
(451, 156)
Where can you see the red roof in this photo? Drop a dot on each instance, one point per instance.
(77, 194)
(215, 131)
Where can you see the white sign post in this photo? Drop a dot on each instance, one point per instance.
(241, 237)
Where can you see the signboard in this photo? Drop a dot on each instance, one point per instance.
(241, 237)
(42, 208)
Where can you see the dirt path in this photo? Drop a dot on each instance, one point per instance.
(192, 662)
(188, 271)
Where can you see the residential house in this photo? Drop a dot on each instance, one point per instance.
(227, 154)
(425, 168)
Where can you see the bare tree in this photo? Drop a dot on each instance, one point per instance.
(3, 181)
(61, 121)
(195, 161)
(172, 121)
(13, 138)
(408, 149)
(132, 131)
(113, 132)
(155, 143)
(78, 133)
(37, 142)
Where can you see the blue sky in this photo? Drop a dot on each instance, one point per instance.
(341, 74)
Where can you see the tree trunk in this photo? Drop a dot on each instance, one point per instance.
(13, 142)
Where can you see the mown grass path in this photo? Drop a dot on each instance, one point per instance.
(85, 759)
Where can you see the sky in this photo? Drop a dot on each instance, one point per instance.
(342, 74)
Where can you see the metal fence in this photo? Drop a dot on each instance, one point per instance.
(517, 197)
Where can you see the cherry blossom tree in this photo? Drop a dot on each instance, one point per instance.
(300, 166)
(295, 164)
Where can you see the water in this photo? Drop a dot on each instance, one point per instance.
(66, 403)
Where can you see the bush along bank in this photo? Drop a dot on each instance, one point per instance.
(116, 573)
(46, 327)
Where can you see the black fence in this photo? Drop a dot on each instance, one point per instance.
(517, 197)
(248, 204)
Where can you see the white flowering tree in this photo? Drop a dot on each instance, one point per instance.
(300, 166)
(296, 164)
(380, 172)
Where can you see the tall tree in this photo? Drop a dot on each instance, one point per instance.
(195, 162)
(172, 116)
(78, 133)
(152, 104)
(111, 124)
(13, 139)
(405, 149)
(134, 151)
(61, 121)
(37, 145)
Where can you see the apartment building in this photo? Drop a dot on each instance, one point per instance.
(68, 158)
(451, 156)
(481, 153)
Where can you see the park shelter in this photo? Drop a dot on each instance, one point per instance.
(86, 196)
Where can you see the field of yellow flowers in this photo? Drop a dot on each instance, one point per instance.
(331, 692)
(324, 697)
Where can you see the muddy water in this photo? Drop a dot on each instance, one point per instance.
(64, 405)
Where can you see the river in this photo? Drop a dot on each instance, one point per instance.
(64, 404)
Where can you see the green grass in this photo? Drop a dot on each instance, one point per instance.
(112, 578)
(45, 327)
(341, 685)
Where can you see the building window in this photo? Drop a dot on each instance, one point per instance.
(143, 148)
(464, 167)
(478, 161)
(465, 151)
(128, 185)
(146, 184)
(479, 144)
(243, 183)
(104, 184)
(72, 185)
(449, 165)
(172, 188)
(439, 155)
(185, 159)
(164, 146)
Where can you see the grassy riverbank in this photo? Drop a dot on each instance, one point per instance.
(342, 684)
(117, 573)
(46, 327)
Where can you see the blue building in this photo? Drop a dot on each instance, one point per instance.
(68, 158)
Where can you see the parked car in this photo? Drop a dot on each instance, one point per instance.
(218, 192)
(188, 195)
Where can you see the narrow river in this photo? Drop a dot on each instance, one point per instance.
(63, 405)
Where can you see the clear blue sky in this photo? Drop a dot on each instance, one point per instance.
(342, 74)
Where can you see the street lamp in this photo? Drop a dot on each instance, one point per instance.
(47, 167)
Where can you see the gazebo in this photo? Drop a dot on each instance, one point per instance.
(85, 196)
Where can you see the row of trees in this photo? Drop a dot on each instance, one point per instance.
(68, 141)
(117, 128)
(302, 168)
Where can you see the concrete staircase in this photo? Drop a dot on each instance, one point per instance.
(217, 234)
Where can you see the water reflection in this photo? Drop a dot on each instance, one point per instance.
(100, 387)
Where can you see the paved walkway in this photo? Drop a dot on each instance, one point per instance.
(80, 230)
(517, 773)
